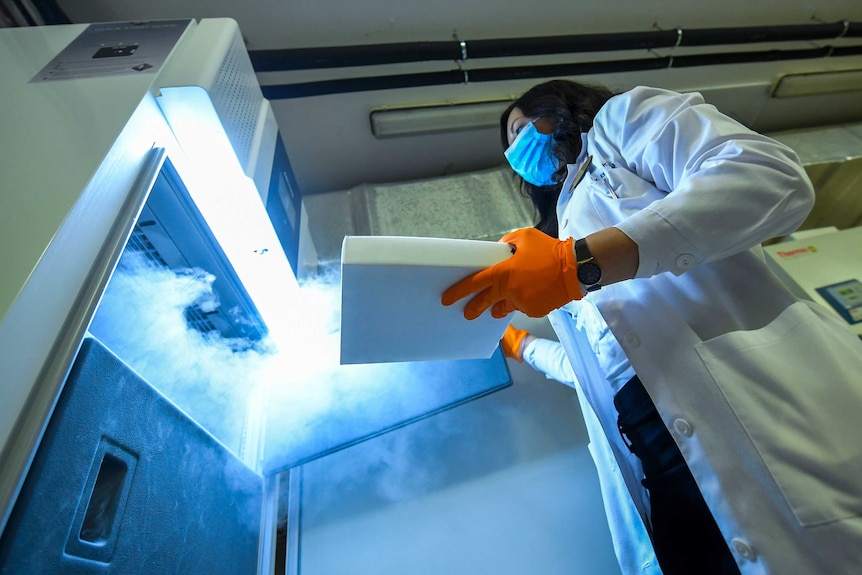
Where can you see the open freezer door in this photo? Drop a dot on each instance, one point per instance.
(348, 404)
(125, 482)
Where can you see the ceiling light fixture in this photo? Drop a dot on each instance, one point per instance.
(814, 83)
(411, 121)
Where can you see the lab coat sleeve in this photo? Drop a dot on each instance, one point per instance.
(727, 188)
(549, 357)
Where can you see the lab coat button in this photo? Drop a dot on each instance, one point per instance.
(632, 339)
(685, 261)
(743, 549)
(683, 427)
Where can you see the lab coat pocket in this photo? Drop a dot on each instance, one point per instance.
(796, 387)
(617, 193)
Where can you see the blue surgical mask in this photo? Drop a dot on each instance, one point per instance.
(531, 155)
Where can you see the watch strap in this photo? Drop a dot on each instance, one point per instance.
(589, 272)
(582, 252)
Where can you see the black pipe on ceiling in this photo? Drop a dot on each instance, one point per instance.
(375, 54)
(459, 76)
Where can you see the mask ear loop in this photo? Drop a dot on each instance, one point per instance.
(561, 164)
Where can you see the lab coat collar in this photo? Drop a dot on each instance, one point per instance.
(577, 170)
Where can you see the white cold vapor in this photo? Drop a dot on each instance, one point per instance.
(142, 319)
(308, 403)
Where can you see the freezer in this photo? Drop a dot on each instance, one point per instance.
(164, 370)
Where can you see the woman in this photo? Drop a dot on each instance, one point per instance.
(721, 409)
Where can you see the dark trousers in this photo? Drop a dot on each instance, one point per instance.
(685, 536)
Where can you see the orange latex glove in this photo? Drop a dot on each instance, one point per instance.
(540, 276)
(513, 343)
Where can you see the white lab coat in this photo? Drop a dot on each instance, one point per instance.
(762, 392)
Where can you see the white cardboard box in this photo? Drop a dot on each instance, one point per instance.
(390, 299)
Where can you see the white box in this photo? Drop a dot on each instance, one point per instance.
(390, 308)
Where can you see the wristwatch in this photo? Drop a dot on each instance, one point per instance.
(589, 272)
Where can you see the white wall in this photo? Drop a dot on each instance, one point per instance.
(303, 23)
(329, 138)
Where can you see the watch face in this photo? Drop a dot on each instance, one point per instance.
(589, 273)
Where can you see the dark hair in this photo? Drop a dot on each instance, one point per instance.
(572, 107)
